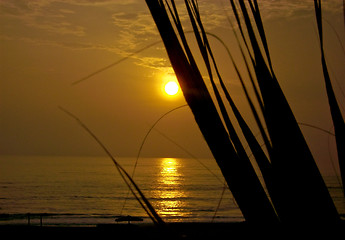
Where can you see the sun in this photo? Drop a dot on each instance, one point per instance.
(171, 88)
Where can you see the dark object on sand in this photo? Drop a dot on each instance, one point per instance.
(128, 219)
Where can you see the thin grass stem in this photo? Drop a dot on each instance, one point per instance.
(145, 204)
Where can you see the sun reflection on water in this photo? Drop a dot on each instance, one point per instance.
(169, 171)
(170, 189)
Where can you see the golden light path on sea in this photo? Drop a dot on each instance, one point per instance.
(170, 189)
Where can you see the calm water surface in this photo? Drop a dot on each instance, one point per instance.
(89, 190)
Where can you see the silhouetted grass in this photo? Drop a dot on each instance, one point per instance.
(239, 173)
(113, 64)
(338, 121)
(137, 193)
(294, 182)
(290, 152)
(295, 186)
(142, 144)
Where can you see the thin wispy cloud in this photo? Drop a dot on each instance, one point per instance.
(290, 9)
(71, 23)
(39, 15)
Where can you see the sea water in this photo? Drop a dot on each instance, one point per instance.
(89, 190)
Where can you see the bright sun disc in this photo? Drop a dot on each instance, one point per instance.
(171, 88)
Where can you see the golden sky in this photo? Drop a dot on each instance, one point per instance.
(46, 45)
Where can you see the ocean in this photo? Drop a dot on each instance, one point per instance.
(51, 190)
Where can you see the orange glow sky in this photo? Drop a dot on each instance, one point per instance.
(48, 44)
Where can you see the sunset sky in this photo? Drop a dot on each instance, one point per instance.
(46, 45)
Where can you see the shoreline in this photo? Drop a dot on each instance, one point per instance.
(178, 230)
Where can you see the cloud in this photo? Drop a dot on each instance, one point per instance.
(214, 14)
(158, 63)
(135, 28)
(63, 17)
(79, 21)
(74, 45)
(292, 9)
(68, 11)
(121, 27)
(62, 28)
(40, 15)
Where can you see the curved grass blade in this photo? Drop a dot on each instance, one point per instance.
(291, 154)
(261, 158)
(239, 178)
(145, 204)
(143, 142)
